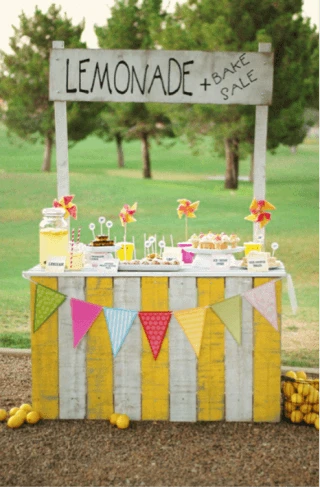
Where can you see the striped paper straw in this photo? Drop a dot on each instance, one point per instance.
(79, 233)
(72, 245)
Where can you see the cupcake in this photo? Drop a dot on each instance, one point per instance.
(224, 241)
(194, 240)
(234, 239)
(206, 243)
(217, 242)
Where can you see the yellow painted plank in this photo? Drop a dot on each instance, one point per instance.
(266, 363)
(154, 373)
(99, 353)
(211, 370)
(44, 363)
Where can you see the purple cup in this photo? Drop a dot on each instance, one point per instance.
(187, 257)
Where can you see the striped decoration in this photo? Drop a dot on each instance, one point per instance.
(226, 382)
(119, 322)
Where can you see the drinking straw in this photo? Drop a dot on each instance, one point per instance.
(171, 238)
(155, 243)
(134, 249)
(109, 225)
(101, 221)
(92, 227)
(78, 236)
(144, 245)
(71, 251)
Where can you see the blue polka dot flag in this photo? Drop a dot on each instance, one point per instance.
(119, 322)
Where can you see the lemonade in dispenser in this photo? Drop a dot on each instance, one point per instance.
(53, 234)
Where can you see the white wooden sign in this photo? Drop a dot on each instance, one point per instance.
(161, 76)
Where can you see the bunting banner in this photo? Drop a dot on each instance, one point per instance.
(155, 324)
(46, 302)
(119, 322)
(230, 313)
(192, 322)
(263, 298)
(83, 315)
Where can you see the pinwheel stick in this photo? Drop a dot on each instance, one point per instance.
(124, 241)
(186, 227)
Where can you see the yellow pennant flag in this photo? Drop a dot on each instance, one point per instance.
(192, 322)
(230, 313)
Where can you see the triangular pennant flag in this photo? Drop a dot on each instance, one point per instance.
(119, 322)
(263, 298)
(46, 302)
(230, 313)
(192, 321)
(155, 324)
(83, 315)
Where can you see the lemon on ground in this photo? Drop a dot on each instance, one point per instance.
(15, 421)
(301, 374)
(26, 407)
(291, 374)
(22, 414)
(33, 417)
(305, 408)
(303, 389)
(3, 414)
(310, 418)
(123, 421)
(13, 411)
(297, 398)
(316, 423)
(315, 408)
(113, 418)
(288, 389)
(296, 416)
(313, 396)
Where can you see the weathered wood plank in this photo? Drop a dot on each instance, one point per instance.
(99, 354)
(72, 361)
(211, 370)
(155, 373)
(238, 358)
(44, 364)
(127, 364)
(266, 363)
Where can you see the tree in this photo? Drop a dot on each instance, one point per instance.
(24, 81)
(132, 27)
(226, 25)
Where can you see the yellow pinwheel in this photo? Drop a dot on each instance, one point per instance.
(258, 212)
(187, 209)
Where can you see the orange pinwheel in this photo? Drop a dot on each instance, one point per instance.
(258, 212)
(126, 214)
(66, 203)
(187, 208)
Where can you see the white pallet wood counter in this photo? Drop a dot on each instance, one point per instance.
(228, 381)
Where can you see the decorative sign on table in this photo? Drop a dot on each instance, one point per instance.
(56, 264)
(258, 262)
(221, 261)
(161, 76)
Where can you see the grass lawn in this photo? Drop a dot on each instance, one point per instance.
(101, 189)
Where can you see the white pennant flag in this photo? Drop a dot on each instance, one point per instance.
(263, 298)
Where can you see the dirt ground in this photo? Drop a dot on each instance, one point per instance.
(94, 453)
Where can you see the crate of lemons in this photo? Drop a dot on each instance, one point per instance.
(16, 417)
(301, 398)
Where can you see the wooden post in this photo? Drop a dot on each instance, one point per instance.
(60, 114)
(260, 149)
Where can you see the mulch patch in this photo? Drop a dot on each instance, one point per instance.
(154, 453)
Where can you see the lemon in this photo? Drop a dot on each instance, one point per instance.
(297, 398)
(15, 421)
(315, 384)
(123, 421)
(313, 396)
(33, 417)
(288, 389)
(310, 418)
(289, 407)
(306, 408)
(291, 374)
(316, 423)
(26, 407)
(113, 418)
(21, 414)
(296, 416)
(301, 374)
(3, 414)
(315, 408)
(303, 389)
(13, 411)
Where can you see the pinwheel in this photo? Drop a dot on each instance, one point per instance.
(187, 209)
(126, 216)
(258, 212)
(69, 207)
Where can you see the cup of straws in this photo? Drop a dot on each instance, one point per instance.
(75, 257)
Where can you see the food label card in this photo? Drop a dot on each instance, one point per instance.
(172, 253)
(56, 264)
(221, 261)
(258, 262)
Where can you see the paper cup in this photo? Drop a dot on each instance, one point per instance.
(126, 251)
(187, 257)
(249, 246)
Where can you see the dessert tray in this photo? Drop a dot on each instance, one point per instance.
(111, 248)
(213, 251)
(150, 267)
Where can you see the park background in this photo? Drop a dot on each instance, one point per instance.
(180, 165)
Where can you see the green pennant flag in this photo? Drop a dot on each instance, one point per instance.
(46, 302)
(230, 312)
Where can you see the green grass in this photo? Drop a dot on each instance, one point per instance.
(101, 189)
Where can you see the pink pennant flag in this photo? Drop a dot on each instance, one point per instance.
(155, 324)
(263, 298)
(83, 315)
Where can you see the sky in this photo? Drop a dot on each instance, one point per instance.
(94, 12)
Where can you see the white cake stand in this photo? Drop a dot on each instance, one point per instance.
(203, 257)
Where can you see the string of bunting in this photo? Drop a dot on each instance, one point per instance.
(155, 323)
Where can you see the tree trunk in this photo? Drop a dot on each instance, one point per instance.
(146, 156)
(251, 174)
(232, 160)
(46, 164)
(120, 150)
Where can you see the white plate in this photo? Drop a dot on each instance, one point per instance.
(213, 251)
(147, 268)
(110, 249)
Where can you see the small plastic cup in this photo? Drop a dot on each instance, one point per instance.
(249, 246)
(187, 257)
(126, 251)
